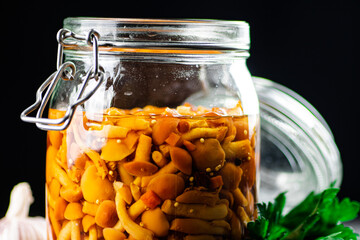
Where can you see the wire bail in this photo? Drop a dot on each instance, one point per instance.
(65, 71)
(93, 39)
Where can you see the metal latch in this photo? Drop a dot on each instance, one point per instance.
(65, 72)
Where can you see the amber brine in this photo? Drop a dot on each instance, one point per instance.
(152, 173)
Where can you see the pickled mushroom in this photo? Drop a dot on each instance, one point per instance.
(78, 157)
(195, 210)
(159, 158)
(114, 150)
(124, 190)
(156, 221)
(73, 211)
(197, 196)
(111, 131)
(218, 133)
(242, 129)
(87, 221)
(133, 123)
(94, 187)
(130, 226)
(50, 163)
(140, 168)
(71, 193)
(167, 186)
(106, 215)
(236, 228)
(162, 129)
(113, 234)
(231, 176)
(239, 149)
(149, 173)
(181, 159)
(168, 168)
(198, 226)
(239, 198)
(75, 229)
(90, 208)
(98, 162)
(65, 232)
(208, 154)
(243, 215)
(148, 200)
(141, 165)
(59, 208)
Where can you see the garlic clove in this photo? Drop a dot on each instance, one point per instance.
(17, 225)
(20, 200)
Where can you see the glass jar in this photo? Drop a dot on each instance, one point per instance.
(153, 130)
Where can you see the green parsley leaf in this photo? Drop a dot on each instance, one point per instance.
(267, 225)
(318, 216)
(259, 228)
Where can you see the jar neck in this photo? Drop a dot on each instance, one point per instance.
(156, 55)
(190, 34)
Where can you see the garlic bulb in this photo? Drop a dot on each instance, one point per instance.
(17, 225)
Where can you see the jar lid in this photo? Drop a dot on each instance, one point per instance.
(182, 33)
(298, 151)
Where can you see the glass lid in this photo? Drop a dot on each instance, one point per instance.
(298, 151)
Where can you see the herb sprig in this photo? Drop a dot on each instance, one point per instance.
(317, 217)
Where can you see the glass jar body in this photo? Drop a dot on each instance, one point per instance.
(166, 148)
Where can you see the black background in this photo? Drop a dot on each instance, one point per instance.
(309, 46)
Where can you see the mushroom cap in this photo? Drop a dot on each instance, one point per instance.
(94, 187)
(156, 221)
(208, 154)
(115, 151)
(197, 196)
(106, 215)
(231, 175)
(112, 233)
(162, 129)
(181, 159)
(167, 186)
(140, 168)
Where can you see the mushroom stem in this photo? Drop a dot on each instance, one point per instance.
(242, 215)
(143, 149)
(239, 198)
(65, 232)
(197, 196)
(192, 210)
(141, 165)
(196, 133)
(168, 168)
(136, 209)
(130, 226)
(198, 226)
(239, 149)
(159, 159)
(147, 200)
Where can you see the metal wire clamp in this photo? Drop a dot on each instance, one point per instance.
(95, 72)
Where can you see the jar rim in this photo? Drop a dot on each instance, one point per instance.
(173, 33)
